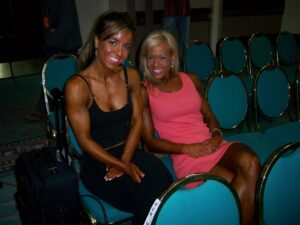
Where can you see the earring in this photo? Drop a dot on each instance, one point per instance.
(96, 53)
(172, 64)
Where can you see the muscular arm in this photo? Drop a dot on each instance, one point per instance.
(208, 115)
(77, 96)
(136, 119)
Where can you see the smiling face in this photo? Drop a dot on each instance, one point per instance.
(159, 61)
(112, 51)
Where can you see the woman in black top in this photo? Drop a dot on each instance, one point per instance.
(104, 108)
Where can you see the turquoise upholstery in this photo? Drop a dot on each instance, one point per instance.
(272, 101)
(278, 188)
(228, 101)
(199, 59)
(286, 54)
(100, 210)
(233, 56)
(219, 95)
(56, 71)
(214, 202)
(260, 51)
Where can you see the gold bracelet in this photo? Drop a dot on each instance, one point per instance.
(216, 130)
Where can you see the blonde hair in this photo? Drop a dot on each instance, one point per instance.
(155, 38)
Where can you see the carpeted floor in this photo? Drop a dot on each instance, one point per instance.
(18, 98)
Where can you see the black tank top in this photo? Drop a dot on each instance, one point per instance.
(110, 128)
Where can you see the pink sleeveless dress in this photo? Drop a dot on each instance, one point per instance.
(177, 118)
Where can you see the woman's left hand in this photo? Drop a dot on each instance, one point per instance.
(213, 143)
(112, 173)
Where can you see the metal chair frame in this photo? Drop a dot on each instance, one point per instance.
(56, 70)
(268, 167)
(176, 188)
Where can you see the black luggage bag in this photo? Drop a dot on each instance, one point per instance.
(47, 189)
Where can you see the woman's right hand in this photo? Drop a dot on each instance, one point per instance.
(134, 172)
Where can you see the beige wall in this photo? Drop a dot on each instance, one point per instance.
(231, 26)
(291, 17)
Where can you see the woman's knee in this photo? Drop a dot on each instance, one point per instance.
(250, 162)
(245, 159)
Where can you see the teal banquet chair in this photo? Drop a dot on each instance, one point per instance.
(95, 210)
(56, 71)
(213, 202)
(198, 58)
(297, 102)
(278, 188)
(228, 99)
(286, 54)
(272, 102)
(260, 52)
(233, 58)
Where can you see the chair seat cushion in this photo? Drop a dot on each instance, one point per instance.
(287, 132)
(93, 207)
(263, 145)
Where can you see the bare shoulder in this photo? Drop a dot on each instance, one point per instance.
(133, 77)
(76, 87)
(194, 77)
(74, 81)
(198, 84)
(133, 73)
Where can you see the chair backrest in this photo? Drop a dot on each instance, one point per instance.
(227, 97)
(286, 54)
(271, 93)
(213, 202)
(286, 48)
(232, 55)
(128, 63)
(278, 192)
(198, 58)
(260, 52)
(298, 93)
(55, 73)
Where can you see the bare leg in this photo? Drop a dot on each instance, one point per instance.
(245, 166)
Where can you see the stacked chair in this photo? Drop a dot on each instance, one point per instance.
(260, 54)
(233, 58)
(271, 102)
(288, 60)
(286, 54)
(297, 88)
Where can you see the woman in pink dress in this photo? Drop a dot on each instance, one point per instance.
(176, 108)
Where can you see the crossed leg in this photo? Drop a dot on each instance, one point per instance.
(240, 167)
